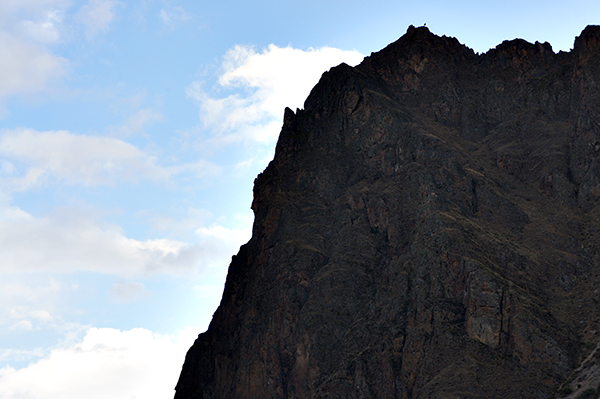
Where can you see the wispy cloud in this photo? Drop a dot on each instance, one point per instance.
(20, 355)
(108, 363)
(28, 31)
(44, 28)
(173, 16)
(86, 160)
(96, 16)
(72, 240)
(26, 67)
(136, 123)
(76, 159)
(271, 80)
(28, 303)
(224, 240)
(165, 224)
(128, 292)
(8, 7)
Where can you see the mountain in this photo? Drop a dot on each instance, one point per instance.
(428, 228)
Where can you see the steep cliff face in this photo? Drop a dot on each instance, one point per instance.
(428, 228)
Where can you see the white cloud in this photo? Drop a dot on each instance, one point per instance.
(128, 292)
(108, 363)
(27, 27)
(45, 29)
(223, 233)
(69, 241)
(41, 315)
(75, 159)
(28, 317)
(72, 240)
(26, 67)
(83, 159)
(96, 16)
(272, 80)
(22, 325)
(27, 303)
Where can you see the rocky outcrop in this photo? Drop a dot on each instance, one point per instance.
(428, 228)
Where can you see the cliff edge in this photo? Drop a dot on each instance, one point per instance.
(428, 228)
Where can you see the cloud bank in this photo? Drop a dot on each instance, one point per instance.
(108, 363)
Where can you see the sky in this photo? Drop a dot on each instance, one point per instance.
(130, 136)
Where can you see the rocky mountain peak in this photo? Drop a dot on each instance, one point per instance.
(421, 40)
(418, 51)
(428, 228)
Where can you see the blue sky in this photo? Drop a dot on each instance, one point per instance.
(130, 136)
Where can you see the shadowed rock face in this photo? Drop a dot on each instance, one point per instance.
(428, 228)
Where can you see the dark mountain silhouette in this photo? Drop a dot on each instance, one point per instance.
(428, 228)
